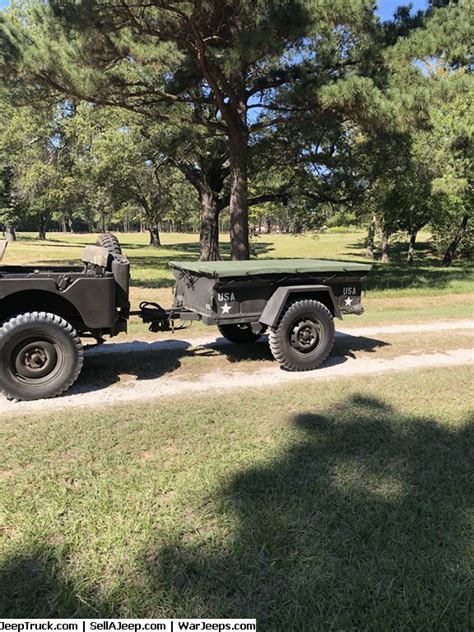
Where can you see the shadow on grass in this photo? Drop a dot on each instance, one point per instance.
(257, 248)
(393, 276)
(362, 523)
(427, 271)
(32, 586)
(148, 361)
(424, 251)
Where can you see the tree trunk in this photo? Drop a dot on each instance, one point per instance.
(209, 233)
(65, 224)
(385, 247)
(239, 216)
(411, 246)
(369, 252)
(105, 219)
(453, 246)
(42, 226)
(10, 233)
(155, 240)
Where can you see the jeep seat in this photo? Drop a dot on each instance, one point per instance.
(95, 256)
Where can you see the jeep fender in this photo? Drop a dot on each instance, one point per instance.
(280, 297)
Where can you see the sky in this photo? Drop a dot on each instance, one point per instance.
(385, 7)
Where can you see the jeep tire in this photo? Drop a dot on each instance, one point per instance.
(110, 243)
(41, 356)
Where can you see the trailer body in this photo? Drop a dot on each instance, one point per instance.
(235, 292)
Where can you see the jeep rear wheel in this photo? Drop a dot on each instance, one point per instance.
(41, 356)
(304, 336)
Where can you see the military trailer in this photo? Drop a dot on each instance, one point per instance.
(45, 311)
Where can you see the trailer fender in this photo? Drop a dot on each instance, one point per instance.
(282, 295)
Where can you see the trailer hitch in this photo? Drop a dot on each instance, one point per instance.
(155, 315)
(163, 319)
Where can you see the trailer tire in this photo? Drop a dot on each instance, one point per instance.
(41, 356)
(240, 334)
(304, 336)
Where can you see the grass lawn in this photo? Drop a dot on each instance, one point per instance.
(344, 505)
(338, 506)
(425, 291)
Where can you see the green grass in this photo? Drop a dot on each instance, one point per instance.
(150, 266)
(339, 506)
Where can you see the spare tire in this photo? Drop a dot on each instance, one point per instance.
(110, 243)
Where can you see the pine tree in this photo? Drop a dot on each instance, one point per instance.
(208, 64)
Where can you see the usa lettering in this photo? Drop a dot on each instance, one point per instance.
(226, 296)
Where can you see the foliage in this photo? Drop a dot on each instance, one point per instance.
(209, 65)
(296, 115)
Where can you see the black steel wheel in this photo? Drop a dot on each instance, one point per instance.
(241, 333)
(304, 336)
(41, 356)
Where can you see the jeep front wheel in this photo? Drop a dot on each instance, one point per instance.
(304, 336)
(41, 356)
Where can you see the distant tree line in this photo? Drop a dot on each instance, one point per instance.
(237, 115)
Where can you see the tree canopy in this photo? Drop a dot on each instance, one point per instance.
(310, 107)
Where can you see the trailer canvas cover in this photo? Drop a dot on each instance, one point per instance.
(222, 269)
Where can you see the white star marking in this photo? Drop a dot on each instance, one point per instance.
(348, 301)
(226, 308)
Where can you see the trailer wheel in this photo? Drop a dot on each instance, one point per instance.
(41, 356)
(240, 333)
(304, 336)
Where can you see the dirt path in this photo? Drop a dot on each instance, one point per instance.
(89, 395)
(176, 342)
